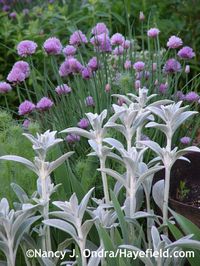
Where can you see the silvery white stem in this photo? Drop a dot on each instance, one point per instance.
(166, 197)
(12, 256)
(148, 219)
(132, 195)
(81, 244)
(104, 181)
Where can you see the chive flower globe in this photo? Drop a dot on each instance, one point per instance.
(44, 104)
(86, 73)
(126, 44)
(119, 50)
(93, 64)
(63, 89)
(192, 96)
(153, 32)
(52, 46)
(78, 38)
(174, 42)
(24, 67)
(89, 101)
(127, 64)
(139, 66)
(72, 138)
(99, 29)
(117, 39)
(16, 76)
(64, 69)
(83, 123)
(26, 47)
(69, 50)
(186, 53)
(26, 107)
(74, 65)
(172, 66)
(101, 43)
(185, 140)
(26, 123)
(5, 87)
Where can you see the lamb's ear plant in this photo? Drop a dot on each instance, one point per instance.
(13, 226)
(95, 138)
(70, 220)
(42, 168)
(173, 116)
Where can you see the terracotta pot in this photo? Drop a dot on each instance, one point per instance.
(183, 170)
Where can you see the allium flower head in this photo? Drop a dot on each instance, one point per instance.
(86, 73)
(179, 96)
(139, 66)
(89, 101)
(72, 138)
(174, 42)
(99, 29)
(186, 53)
(13, 15)
(153, 32)
(163, 88)
(185, 140)
(93, 64)
(127, 64)
(119, 50)
(44, 104)
(117, 39)
(137, 84)
(26, 108)
(172, 66)
(69, 50)
(101, 41)
(77, 38)
(25, 11)
(26, 48)
(63, 89)
(26, 123)
(83, 123)
(52, 46)
(126, 44)
(74, 65)
(23, 67)
(192, 96)
(5, 87)
(16, 76)
(64, 69)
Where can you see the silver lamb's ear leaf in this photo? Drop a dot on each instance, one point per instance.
(83, 204)
(155, 237)
(86, 227)
(153, 146)
(187, 150)
(114, 174)
(158, 193)
(78, 131)
(62, 225)
(21, 160)
(4, 248)
(113, 142)
(95, 260)
(55, 164)
(161, 127)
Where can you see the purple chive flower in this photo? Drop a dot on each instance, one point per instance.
(83, 123)
(187, 69)
(119, 50)
(52, 46)
(139, 66)
(107, 87)
(174, 42)
(153, 32)
(127, 64)
(185, 140)
(25, 11)
(102, 42)
(26, 107)
(69, 50)
(86, 73)
(93, 64)
(186, 53)
(126, 44)
(172, 66)
(63, 89)
(89, 101)
(5, 87)
(99, 29)
(6, 8)
(192, 96)
(179, 96)
(26, 47)
(64, 69)
(23, 67)
(141, 16)
(117, 39)
(163, 88)
(137, 84)
(16, 76)
(74, 65)
(77, 38)
(13, 15)
(72, 138)
(26, 123)
(44, 104)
